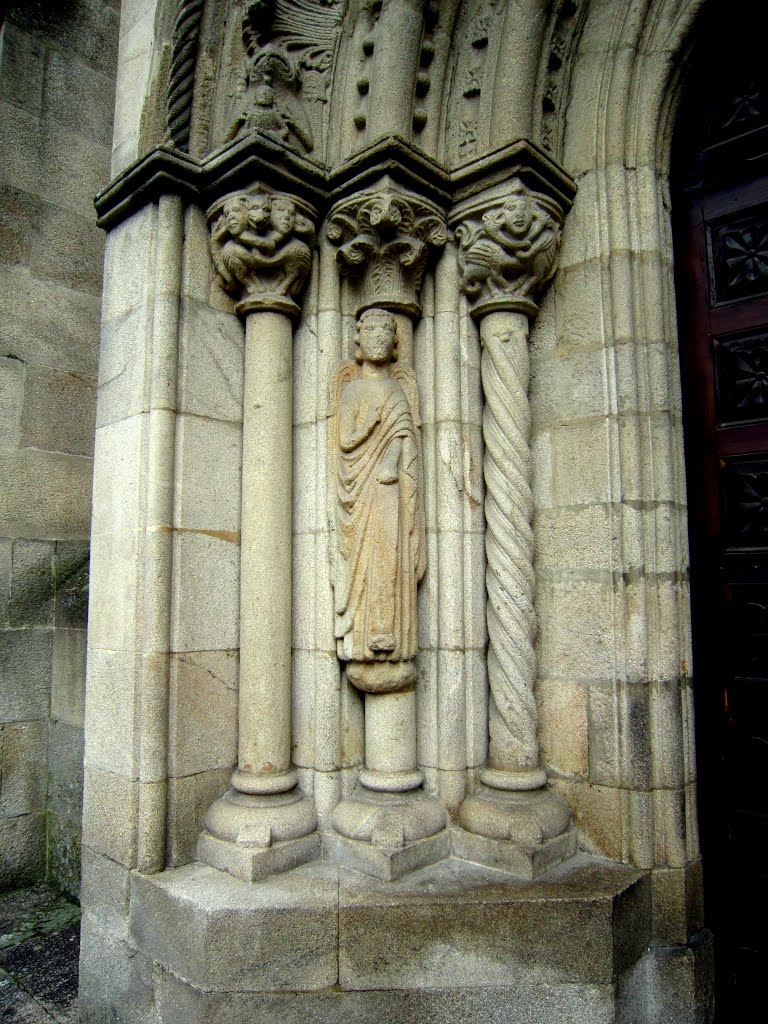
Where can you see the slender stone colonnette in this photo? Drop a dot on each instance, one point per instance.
(261, 247)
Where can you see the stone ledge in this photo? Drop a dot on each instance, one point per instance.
(453, 925)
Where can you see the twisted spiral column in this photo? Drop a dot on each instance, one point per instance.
(514, 753)
(182, 77)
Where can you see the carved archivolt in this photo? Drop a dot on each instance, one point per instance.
(384, 239)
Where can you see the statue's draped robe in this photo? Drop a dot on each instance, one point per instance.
(379, 536)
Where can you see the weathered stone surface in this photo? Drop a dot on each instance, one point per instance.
(22, 840)
(11, 394)
(22, 775)
(234, 936)
(25, 667)
(68, 676)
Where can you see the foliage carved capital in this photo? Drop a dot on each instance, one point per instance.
(385, 237)
(261, 244)
(508, 250)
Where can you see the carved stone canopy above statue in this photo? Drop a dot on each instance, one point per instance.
(261, 244)
(385, 236)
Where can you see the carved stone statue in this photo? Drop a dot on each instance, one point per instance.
(269, 103)
(376, 454)
(261, 245)
(511, 252)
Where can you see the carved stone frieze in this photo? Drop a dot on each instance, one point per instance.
(508, 250)
(261, 244)
(384, 238)
(378, 515)
(290, 46)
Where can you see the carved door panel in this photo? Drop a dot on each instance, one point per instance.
(724, 355)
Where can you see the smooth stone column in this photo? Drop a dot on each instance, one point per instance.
(264, 824)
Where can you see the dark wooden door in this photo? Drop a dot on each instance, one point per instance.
(725, 369)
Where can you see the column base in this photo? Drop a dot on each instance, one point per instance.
(525, 833)
(252, 836)
(388, 835)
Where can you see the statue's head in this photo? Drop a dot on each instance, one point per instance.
(283, 215)
(264, 95)
(519, 212)
(376, 337)
(236, 212)
(261, 209)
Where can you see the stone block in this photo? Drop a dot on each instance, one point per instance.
(22, 768)
(189, 799)
(229, 935)
(22, 68)
(206, 596)
(678, 908)
(68, 676)
(59, 411)
(210, 362)
(303, 631)
(88, 28)
(71, 577)
(462, 925)
(208, 472)
(11, 398)
(106, 893)
(78, 97)
(64, 854)
(203, 711)
(563, 726)
(20, 135)
(129, 257)
(581, 464)
(181, 1003)
(541, 469)
(519, 860)
(110, 815)
(136, 50)
(317, 735)
(22, 850)
(387, 864)
(123, 384)
(65, 770)
(32, 599)
(60, 151)
(119, 466)
(599, 814)
(65, 247)
(25, 668)
(48, 324)
(46, 493)
(114, 590)
(571, 387)
(619, 753)
(255, 863)
(115, 979)
(666, 739)
(6, 561)
(577, 538)
(114, 689)
(475, 622)
(576, 634)
(578, 304)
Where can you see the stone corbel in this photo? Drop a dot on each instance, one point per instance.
(261, 244)
(509, 239)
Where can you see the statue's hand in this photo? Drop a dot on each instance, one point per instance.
(388, 474)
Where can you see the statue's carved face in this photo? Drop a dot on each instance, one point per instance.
(236, 216)
(260, 210)
(376, 338)
(283, 215)
(518, 216)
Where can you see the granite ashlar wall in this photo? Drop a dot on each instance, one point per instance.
(57, 86)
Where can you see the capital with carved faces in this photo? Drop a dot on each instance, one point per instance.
(508, 250)
(261, 244)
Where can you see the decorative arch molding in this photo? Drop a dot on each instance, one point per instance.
(612, 315)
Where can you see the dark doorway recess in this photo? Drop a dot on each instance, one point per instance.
(720, 218)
